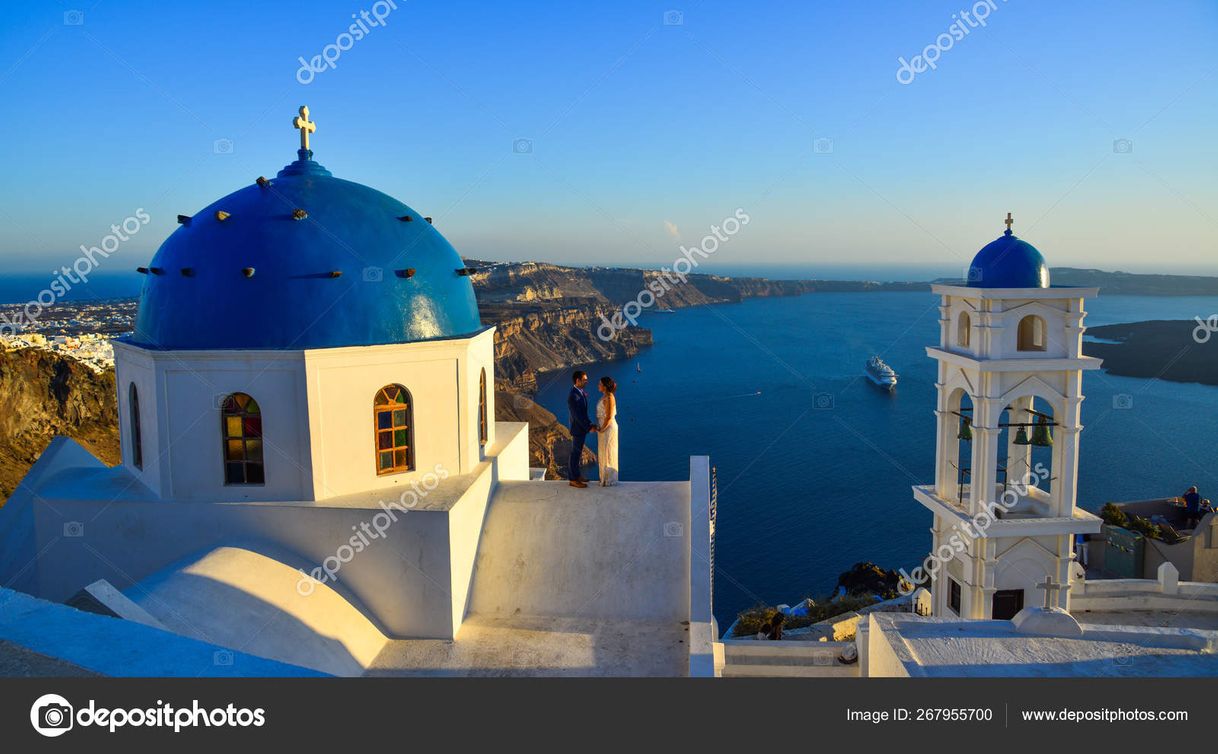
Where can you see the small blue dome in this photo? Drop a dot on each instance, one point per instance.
(1008, 262)
(305, 260)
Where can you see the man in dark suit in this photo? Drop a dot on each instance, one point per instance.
(580, 424)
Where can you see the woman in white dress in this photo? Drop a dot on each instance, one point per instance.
(606, 432)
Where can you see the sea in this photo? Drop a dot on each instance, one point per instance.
(815, 464)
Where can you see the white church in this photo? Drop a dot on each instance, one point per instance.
(312, 478)
(313, 483)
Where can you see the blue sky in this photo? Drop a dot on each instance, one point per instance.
(643, 133)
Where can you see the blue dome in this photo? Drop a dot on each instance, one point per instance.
(355, 268)
(1008, 262)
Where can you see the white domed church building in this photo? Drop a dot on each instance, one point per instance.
(312, 476)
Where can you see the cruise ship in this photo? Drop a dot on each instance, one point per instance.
(880, 373)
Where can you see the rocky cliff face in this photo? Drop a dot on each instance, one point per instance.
(46, 395)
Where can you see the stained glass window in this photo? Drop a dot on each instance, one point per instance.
(482, 425)
(242, 430)
(393, 426)
(137, 442)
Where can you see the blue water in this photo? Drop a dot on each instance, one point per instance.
(805, 492)
(25, 287)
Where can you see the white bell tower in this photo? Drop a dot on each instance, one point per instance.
(1006, 462)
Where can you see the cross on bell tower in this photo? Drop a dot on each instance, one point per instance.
(305, 125)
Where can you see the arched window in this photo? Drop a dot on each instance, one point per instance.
(964, 329)
(1032, 333)
(483, 432)
(241, 425)
(393, 423)
(137, 443)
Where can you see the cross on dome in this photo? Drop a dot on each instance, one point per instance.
(1009, 222)
(305, 125)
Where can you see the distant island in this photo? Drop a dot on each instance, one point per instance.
(1162, 349)
(1135, 284)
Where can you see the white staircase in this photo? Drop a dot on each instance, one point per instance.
(745, 658)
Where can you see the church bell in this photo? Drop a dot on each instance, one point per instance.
(1042, 437)
(966, 429)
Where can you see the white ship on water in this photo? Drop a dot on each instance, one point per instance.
(880, 373)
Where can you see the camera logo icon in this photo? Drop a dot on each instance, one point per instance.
(73, 18)
(1122, 146)
(73, 529)
(822, 401)
(522, 146)
(51, 715)
(674, 18)
(823, 145)
(1122, 401)
(222, 658)
(374, 274)
(974, 275)
(222, 146)
(674, 529)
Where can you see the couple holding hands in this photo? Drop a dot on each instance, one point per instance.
(605, 429)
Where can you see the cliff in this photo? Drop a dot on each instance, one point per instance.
(1162, 349)
(46, 394)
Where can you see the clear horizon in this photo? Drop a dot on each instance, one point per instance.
(585, 136)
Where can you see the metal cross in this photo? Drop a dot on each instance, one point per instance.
(305, 125)
(1009, 221)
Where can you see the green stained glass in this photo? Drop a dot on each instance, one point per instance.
(399, 417)
(399, 437)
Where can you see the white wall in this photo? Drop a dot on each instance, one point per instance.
(317, 407)
(412, 582)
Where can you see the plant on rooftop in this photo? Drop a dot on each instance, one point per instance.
(1114, 516)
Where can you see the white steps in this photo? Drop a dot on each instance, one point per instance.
(785, 659)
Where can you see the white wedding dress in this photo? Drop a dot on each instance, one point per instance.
(606, 444)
